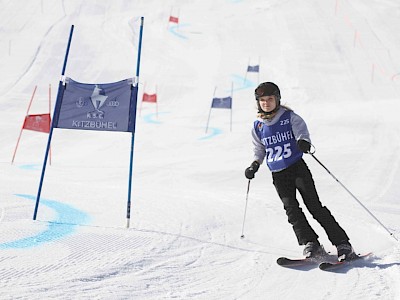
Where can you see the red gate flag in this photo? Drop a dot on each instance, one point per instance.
(39, 123)
(174, 19)
(149, 98)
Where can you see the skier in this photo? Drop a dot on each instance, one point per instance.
(281, 137)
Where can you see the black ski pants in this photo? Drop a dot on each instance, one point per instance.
(298, 177)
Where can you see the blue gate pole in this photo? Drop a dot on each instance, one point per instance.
(128, 209)
(57, 104)
(231, 104)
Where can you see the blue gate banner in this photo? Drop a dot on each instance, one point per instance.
(101, 107)
(253, 69)
(222, 102)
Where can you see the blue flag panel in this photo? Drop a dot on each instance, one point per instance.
(101, 107)
(222, 102)
(253, 68)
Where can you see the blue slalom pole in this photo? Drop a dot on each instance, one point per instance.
(56, 107)
(128, 209)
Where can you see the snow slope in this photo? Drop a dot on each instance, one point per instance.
(335, 62)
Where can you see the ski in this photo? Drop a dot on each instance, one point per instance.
(297, 262)
(332, 266)
(300, 262)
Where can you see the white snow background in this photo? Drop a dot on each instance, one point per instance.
(337, 64)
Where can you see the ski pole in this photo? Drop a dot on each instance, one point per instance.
(351, 194)
(245, 208)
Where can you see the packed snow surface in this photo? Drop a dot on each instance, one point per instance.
(337, 65)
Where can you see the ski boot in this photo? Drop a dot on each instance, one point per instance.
(313, 249)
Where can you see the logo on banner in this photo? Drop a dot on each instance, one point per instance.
(98, 100)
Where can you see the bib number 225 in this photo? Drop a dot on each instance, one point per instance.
(278, 152)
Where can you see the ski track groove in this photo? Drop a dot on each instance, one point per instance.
(164, 272)
(369, 278)
(358, 290)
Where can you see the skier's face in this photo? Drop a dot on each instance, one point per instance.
(267, 103)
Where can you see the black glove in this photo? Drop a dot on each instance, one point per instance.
(250, 171)
(304, 146)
